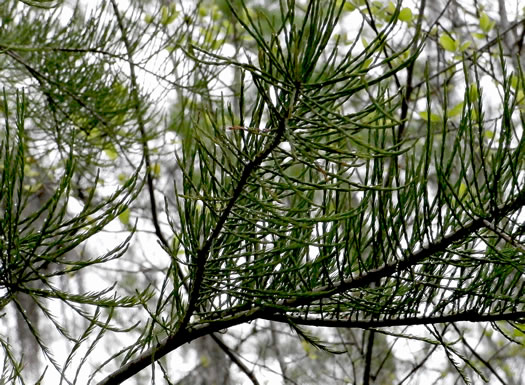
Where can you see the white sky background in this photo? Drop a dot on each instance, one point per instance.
(101, 243)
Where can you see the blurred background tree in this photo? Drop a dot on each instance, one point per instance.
(305, 191)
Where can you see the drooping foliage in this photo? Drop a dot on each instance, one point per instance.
(297, 162)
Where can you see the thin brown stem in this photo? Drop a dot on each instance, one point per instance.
(141, 126)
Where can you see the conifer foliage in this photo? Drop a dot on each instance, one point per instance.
(336, 167)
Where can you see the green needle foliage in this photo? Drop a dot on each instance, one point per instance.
(318, 216)
(309, 178)
(35, 244)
